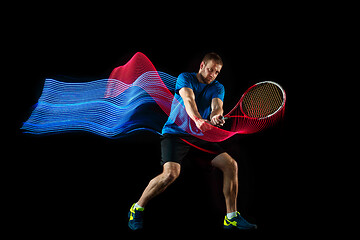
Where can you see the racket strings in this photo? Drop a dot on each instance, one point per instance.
(262, 100)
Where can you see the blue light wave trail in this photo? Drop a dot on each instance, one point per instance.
(135, 97)
(65, 107)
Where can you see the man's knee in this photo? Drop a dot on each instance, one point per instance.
(171, 171)
(225, 163)
(171, 175)
(233, 164)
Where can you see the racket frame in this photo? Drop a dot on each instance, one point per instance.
(242, 97)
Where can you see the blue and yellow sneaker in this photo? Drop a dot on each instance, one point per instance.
(238, 222)
(135, 218)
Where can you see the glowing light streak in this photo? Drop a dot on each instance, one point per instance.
(125, 103)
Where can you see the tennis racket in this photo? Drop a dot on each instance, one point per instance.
(262, 100)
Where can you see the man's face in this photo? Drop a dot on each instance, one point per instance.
(209, 71)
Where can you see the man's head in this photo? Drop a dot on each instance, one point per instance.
(209, 68)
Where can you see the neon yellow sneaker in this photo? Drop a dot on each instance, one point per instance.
(135, 218)
(238, 222)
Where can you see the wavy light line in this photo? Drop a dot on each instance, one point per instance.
(135, 97)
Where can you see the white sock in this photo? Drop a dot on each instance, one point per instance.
(231, 215)
(138, 206)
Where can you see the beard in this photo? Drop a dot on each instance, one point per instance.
(206, 80)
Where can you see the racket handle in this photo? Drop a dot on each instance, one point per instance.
(225, 118)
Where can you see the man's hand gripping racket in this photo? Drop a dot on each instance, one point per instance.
(261, 101)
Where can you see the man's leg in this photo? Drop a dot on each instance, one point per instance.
(171, 171)
(233, 219)
(230, 183)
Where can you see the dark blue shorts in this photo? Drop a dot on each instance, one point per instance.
(175, 148)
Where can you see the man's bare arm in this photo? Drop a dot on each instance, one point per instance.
(188, 97)
(217, 112)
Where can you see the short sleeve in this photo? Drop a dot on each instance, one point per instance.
(219, 92)
(183, 81)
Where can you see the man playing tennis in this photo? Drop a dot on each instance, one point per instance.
(203, 98)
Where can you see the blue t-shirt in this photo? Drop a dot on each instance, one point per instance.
(204, 93)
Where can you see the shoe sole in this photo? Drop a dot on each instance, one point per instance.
(240, 229)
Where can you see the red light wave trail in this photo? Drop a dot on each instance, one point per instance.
(124, 76)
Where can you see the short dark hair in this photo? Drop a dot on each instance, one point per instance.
(213, 56)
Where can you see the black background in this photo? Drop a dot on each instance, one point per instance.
(81, 184)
